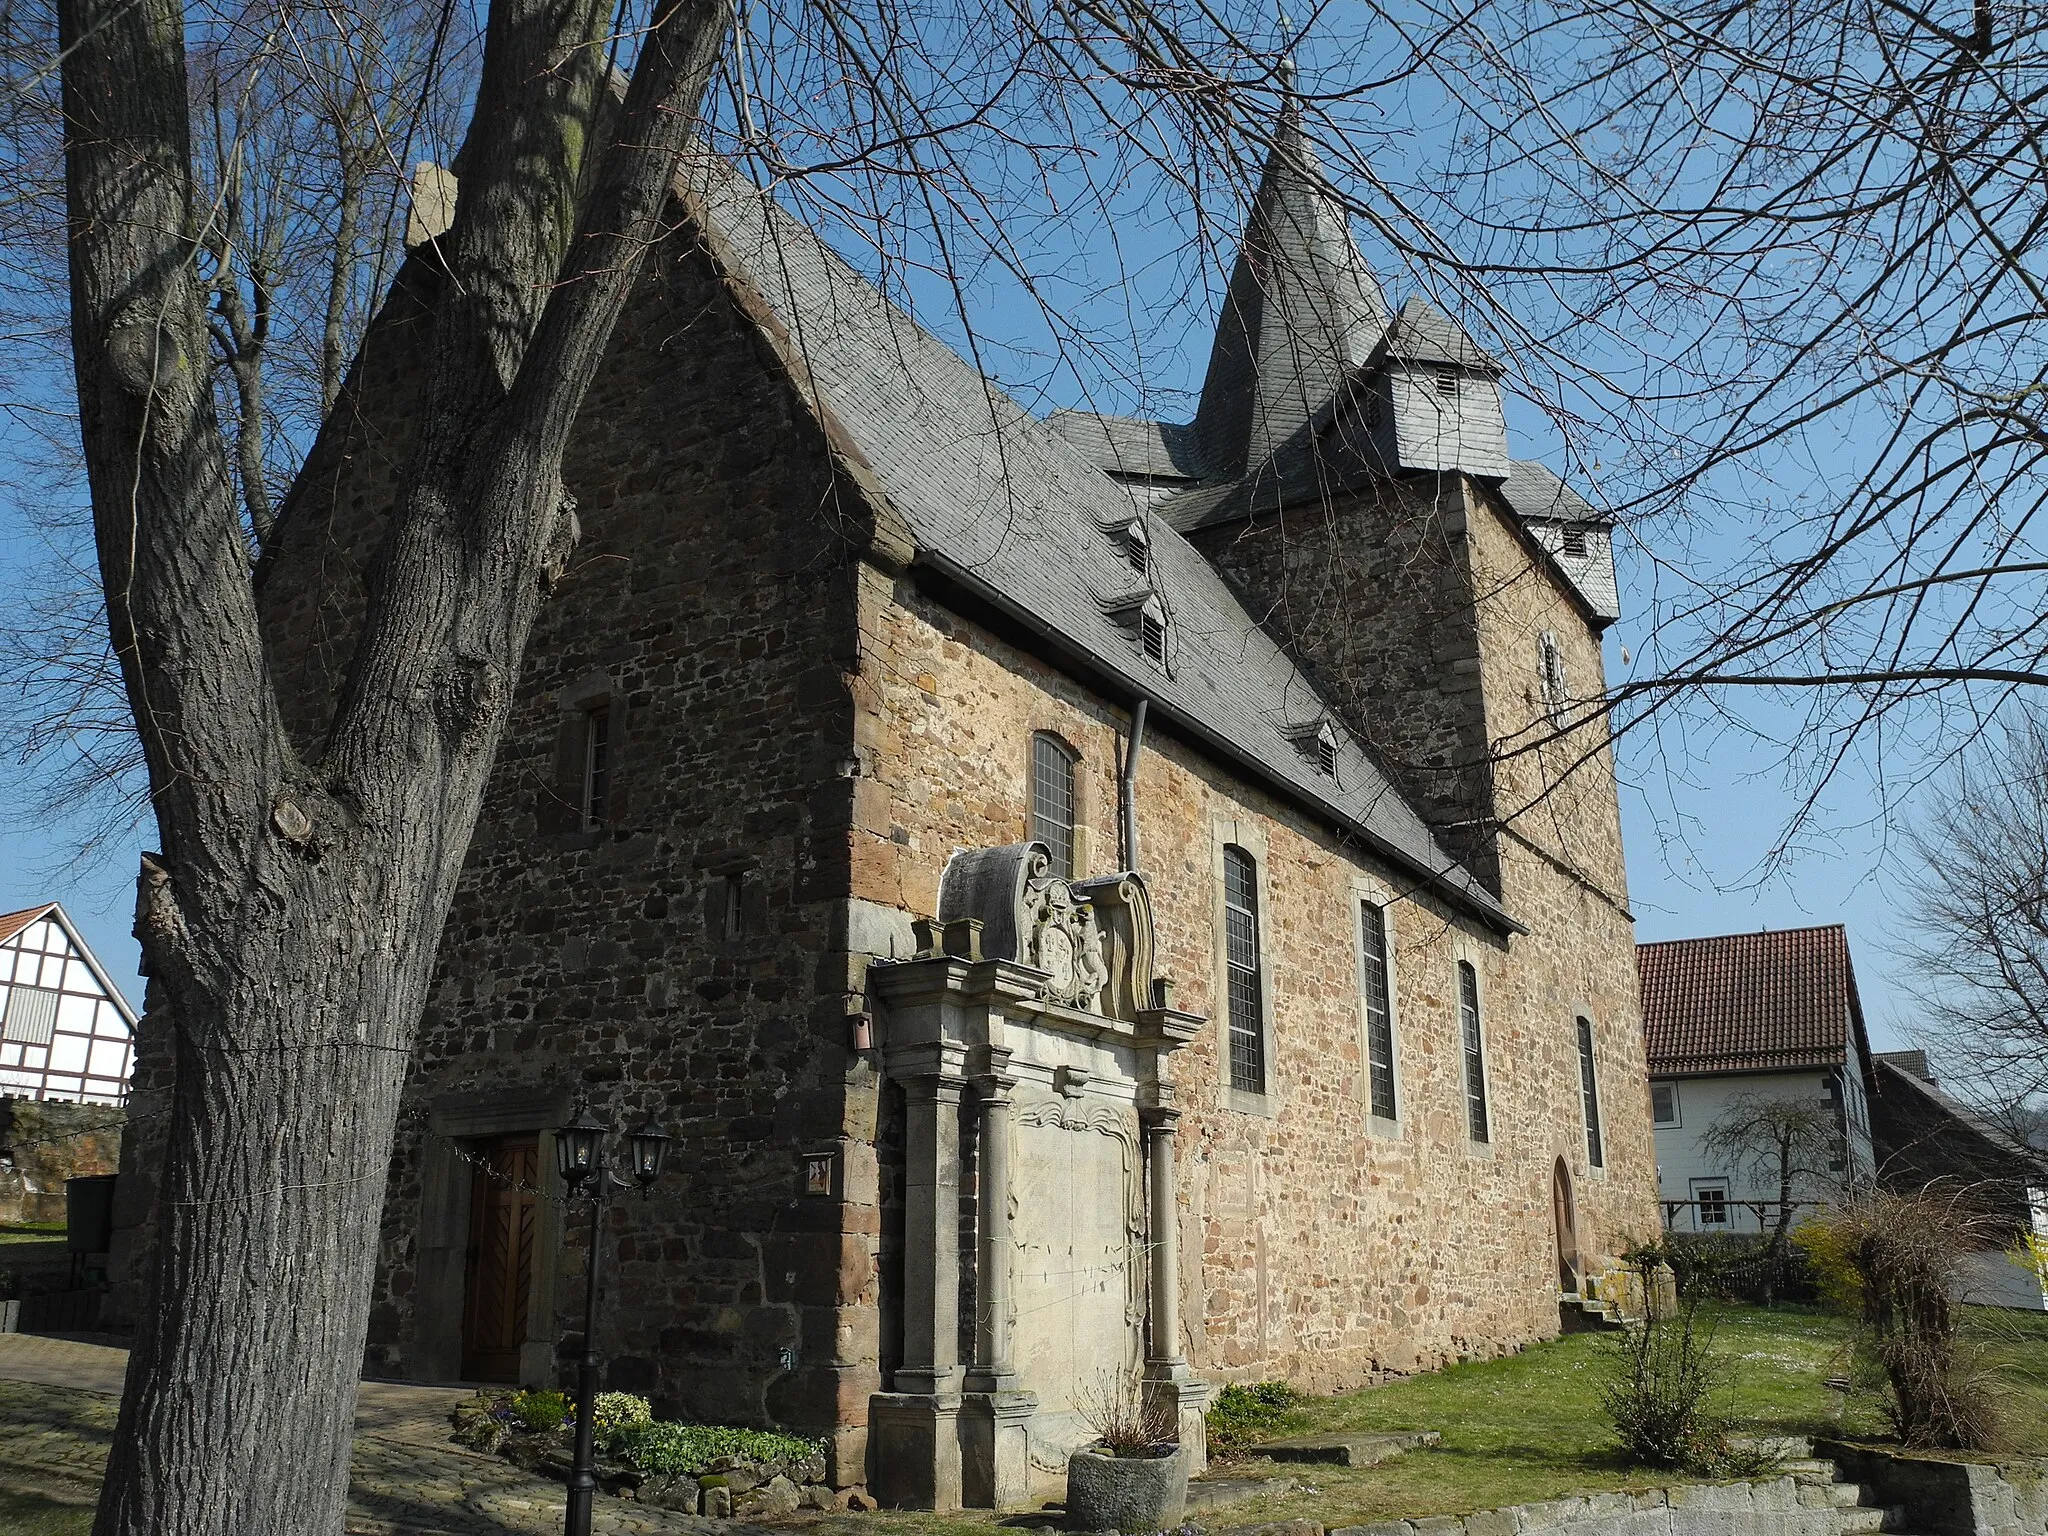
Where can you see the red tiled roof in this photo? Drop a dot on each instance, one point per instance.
(1748, 1002)
(12, 923)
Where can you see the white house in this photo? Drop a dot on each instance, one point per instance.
(66, 1032)
(1752, 1015)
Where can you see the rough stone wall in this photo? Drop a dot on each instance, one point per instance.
(1372, 597)
(47, 1142)
(1315, 1247)
(1561, 862)
(710, 602)
(1459, 716)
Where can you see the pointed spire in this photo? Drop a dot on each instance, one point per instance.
(1302, 309)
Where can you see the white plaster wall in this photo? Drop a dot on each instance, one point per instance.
(1702, 1100)
(1999, 1280)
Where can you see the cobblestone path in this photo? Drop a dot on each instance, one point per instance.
(58, 1400)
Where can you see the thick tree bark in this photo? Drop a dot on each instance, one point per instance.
(293, 919)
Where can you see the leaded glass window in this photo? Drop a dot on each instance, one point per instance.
(1475, 1053)
(1247, 997)
(1052, 800)
(1379, 1009)
(1589, 1091)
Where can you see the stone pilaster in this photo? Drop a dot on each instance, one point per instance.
(995, 1418)
(1168, 1376)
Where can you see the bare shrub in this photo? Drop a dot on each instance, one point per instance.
(1894, 1262)
(1665, 1374)
(1125, 1420)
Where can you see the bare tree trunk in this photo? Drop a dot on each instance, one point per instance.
(293, 919)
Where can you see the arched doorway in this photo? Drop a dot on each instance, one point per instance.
(1566, 1218)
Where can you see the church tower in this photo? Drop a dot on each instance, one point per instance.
(1348, 470)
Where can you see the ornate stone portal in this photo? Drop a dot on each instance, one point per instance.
(1032, 998)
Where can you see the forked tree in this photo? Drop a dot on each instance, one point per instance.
(291, 921)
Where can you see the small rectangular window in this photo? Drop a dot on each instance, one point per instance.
(1246, 983)
(597, 766)
(1447, 383)
(1476, 1123)
(1589, 1095)
(1575, 540)
(1137, 553)
(1379, 1009)
(1664, 1103)
(1326, 754)
(1711, 1204)
(735, 906)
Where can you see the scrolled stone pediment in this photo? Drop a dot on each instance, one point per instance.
(1093, 938)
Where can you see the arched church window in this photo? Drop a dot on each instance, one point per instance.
(1052, 799)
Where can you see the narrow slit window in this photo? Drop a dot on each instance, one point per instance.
(735, 906)
(1379, 1009)
(1326, 752)
(1551, 676)
(597, 766)
(1589, 1093)
(1246, 984)
(1476, 1123)
(1052, 800)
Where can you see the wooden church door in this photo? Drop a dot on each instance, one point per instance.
(1567, 1229)
(504, 1213)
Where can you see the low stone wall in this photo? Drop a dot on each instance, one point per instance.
(1952, 1498)
(1783, 1506)
(49, 1142)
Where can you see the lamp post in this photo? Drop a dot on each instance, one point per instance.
(580, 1155)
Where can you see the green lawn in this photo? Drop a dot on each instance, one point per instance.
(32, 1231)
(1530, 1427)
(30, 1514)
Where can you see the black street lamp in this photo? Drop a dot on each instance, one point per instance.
(580, 1155)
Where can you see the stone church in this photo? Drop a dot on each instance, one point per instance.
(1093, 898)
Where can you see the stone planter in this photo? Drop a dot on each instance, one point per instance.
(1126, 1493)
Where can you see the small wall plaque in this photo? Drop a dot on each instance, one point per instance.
(818, 1170)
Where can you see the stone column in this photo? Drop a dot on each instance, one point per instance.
(1164, 1222)
(1167, 1373)
(992, 1370)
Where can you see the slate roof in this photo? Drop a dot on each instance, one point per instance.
(1002, 504)
(1422, 333)
(1126, 445)
(1749, 1002)
(1303, 311)
(12, 923)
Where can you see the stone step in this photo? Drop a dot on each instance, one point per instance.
(1359, 1450)
(1217, 1492)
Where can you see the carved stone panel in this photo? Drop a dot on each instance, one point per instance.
(1078, 1276)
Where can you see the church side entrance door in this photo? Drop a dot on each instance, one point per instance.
(1567, 1229)
(504, 1211)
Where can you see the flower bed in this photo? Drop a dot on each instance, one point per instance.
(704, 1469)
